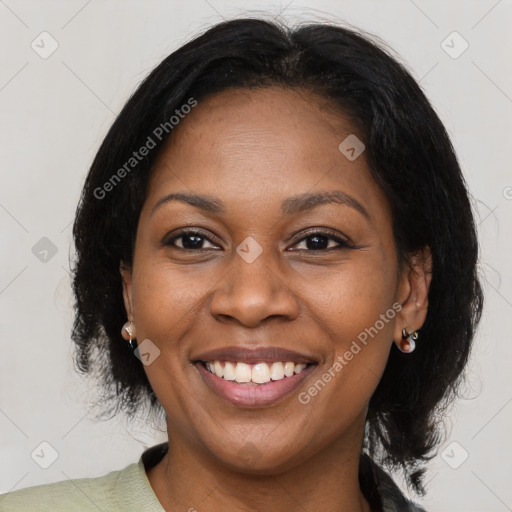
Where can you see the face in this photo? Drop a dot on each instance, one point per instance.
(255, 265)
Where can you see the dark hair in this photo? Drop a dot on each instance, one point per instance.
(410, 156)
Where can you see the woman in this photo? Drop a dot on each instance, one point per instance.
(276, 249)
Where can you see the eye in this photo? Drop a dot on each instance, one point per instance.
(190, 241)
(322, 241)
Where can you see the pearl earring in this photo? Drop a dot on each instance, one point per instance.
(129, 327)
(408, 343)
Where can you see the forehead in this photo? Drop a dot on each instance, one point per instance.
(246, 144)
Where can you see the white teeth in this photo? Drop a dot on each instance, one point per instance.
(242, 372)
(229, 371)
(259, 373)
(219, 371)
(276, 371)
(288, 369)
(298, 368)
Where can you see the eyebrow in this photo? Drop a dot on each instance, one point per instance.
(290, 206)
(304, 202)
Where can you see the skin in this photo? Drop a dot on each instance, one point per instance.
(252, 150)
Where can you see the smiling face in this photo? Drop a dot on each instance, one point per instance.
(264, 267)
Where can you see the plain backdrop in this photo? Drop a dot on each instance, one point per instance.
(55, 110)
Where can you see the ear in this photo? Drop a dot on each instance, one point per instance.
(126, 274)
(412, 294)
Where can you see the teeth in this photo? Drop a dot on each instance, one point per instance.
(242, 372)
(217, 367)
(298, 368)
(276, 371)
(259, 373)
(229, 371)
(288, 369)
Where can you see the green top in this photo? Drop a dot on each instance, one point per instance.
(129, 490)
(126, 490)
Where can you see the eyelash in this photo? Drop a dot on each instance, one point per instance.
(342, 244)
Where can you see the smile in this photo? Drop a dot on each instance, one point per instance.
(253, 385)
(260, 373)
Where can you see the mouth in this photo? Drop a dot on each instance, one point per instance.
(253, 385)
(254, 374)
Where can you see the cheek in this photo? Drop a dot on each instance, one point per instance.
(353, 297)
(357, 314)
(166, 305)
(359, 304)
(166, 299)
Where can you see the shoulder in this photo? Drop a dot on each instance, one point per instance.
(82, 494)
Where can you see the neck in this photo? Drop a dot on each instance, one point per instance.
(189, 478)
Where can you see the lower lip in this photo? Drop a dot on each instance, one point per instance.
(258, 395)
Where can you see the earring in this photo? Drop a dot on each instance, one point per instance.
(129, 327)
(408, 343)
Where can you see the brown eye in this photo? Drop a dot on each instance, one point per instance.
(322, 241)
(190, 241)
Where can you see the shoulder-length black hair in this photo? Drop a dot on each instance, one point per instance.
(409, 154)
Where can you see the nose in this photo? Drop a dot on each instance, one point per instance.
(252, 292)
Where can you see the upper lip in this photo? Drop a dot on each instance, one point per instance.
(251, 355)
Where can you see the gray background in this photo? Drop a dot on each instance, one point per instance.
(56, 110)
